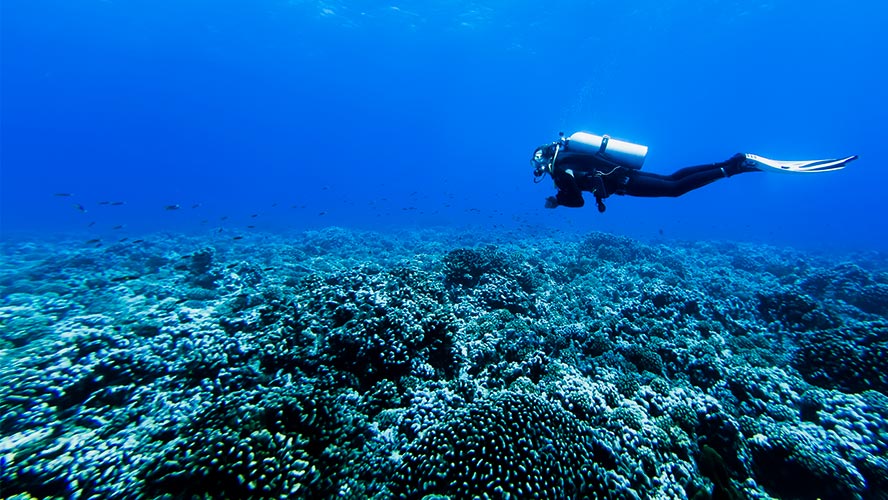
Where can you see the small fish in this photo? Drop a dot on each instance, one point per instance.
(268, 269)
(251, 227)
(253, 216)
(119, 279)
(322, 213)
(238, 238)
(172, 207)
(119, 226)
(93, 241)
(117, 203)
(138, 241)
(196, 205)
(91, 224)
(121, 240)
(104, 203)
(80, 207)
(64, 195)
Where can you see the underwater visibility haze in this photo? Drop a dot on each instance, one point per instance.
(293, 249)
(426, 113)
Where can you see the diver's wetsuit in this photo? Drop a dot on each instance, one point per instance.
(603, 180)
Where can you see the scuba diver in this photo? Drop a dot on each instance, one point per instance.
(605, 166)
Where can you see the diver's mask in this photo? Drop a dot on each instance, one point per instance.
(543, 160)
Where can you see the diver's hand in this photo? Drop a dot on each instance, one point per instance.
(551, 202)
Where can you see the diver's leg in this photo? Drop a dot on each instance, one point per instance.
(732, 166)
(687, 179)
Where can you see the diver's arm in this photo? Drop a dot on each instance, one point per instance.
(569, 194)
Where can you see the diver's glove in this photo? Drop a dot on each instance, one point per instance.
(551, 202)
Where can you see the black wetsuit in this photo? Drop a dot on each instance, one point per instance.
(603, 179)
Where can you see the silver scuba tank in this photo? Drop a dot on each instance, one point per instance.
(623, 153)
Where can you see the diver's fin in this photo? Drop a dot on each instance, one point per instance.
(793, 167)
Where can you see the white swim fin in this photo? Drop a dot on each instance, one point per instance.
(796, 167)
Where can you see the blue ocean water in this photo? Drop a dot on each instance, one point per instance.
(304, 114)
(294, 249)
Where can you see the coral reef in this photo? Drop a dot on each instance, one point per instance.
(510, 444)
(435, 364)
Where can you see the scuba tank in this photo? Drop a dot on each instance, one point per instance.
(622, 153)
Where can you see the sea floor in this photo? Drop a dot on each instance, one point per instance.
(340, 363)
